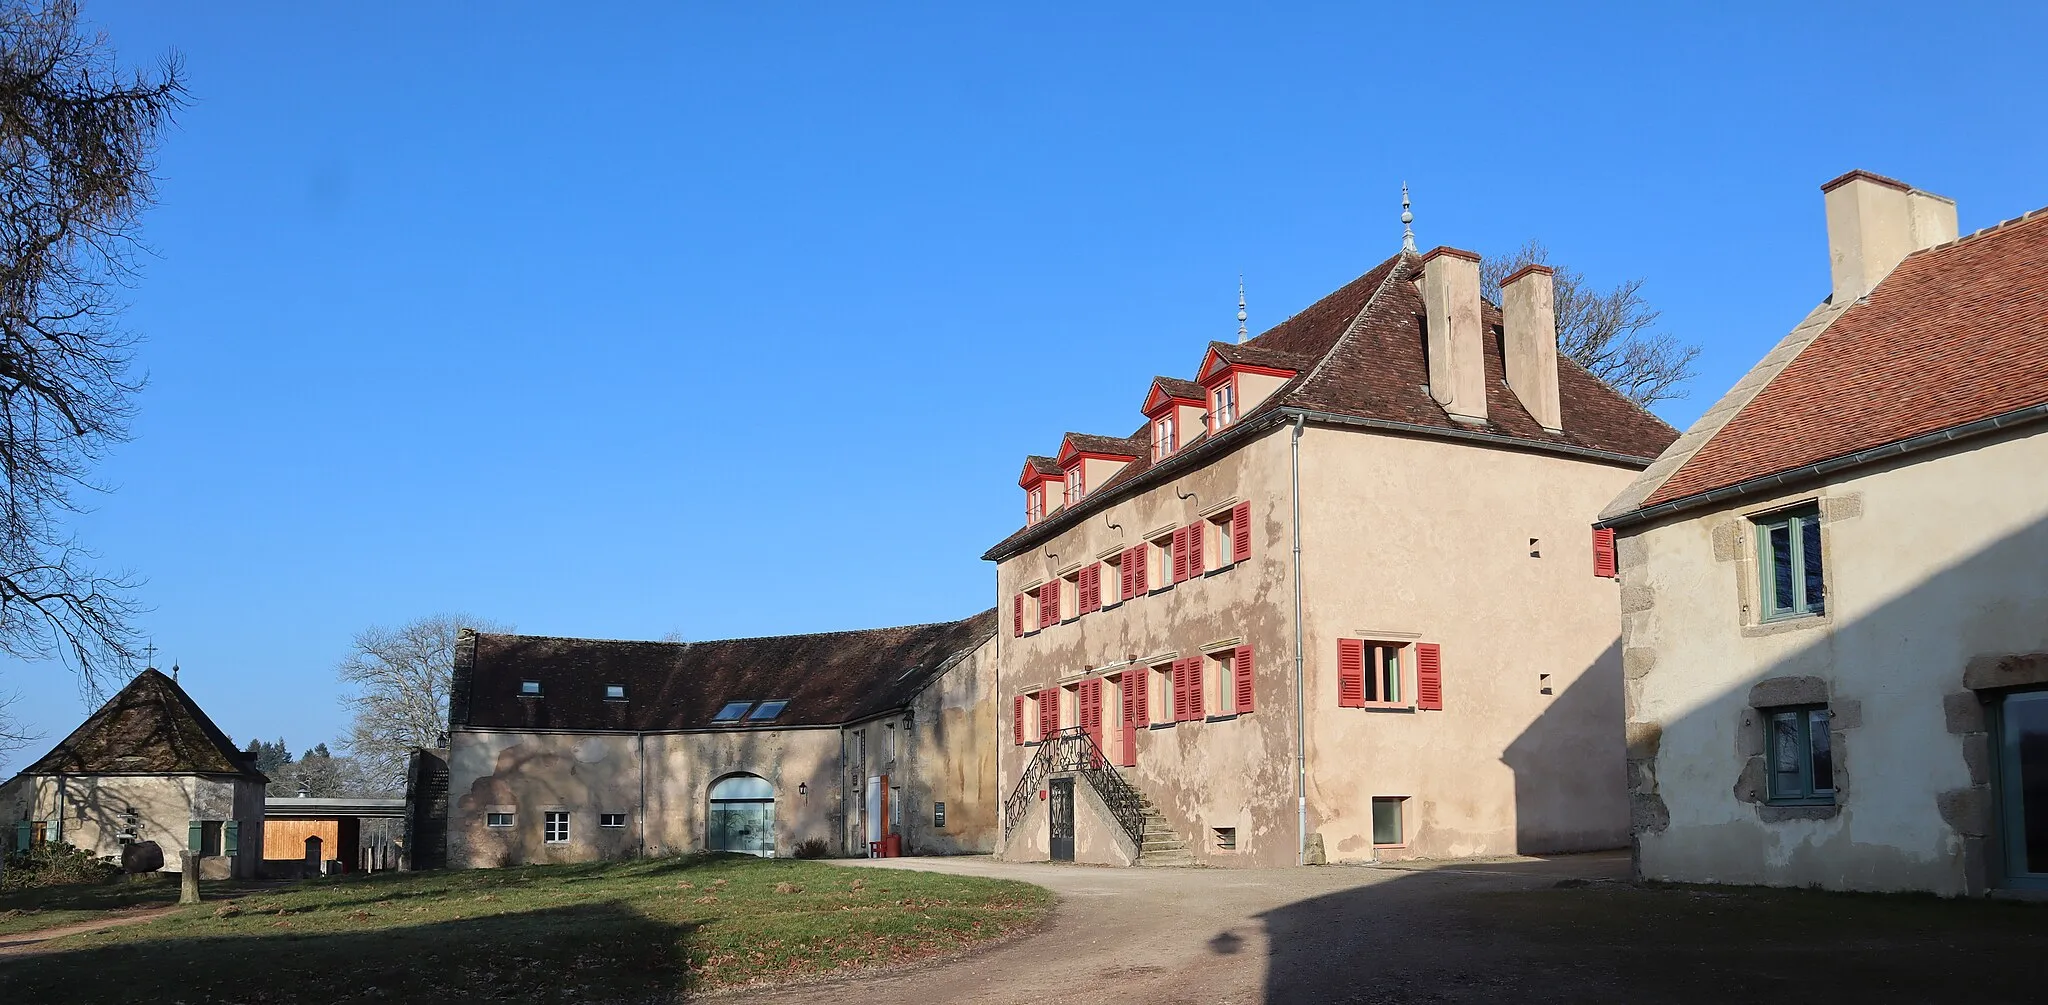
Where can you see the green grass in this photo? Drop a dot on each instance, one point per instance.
(54, 907)
(533, 934)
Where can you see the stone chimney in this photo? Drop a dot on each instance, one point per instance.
(1874, 222)
(1529, 342)
(1454, 341)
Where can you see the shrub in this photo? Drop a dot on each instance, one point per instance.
(54, 863)
(813, 848)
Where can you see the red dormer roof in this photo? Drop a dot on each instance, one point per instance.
(1167, 390)
(1113, 448)
(1223, 358)
(1039, 468)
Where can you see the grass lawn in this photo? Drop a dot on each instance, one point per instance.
(55, 907)
(564, 933)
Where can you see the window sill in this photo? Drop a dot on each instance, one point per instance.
(1112, 605)
(1772, 813)
(1793, 623)
(1386, 706)
(1219, 570)
(1162, 725)
(1157, 590)
(1030, 633)
(1222, 718)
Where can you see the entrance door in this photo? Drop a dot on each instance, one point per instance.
(1061, 810)
(2023, 787)
(742, 816)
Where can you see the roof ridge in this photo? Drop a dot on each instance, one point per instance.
(735, 638)
(1984, 231)
(1357, 322)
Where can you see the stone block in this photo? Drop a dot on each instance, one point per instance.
(1977, 757)
(1638, 662)
(1968, 810)
(1847, 506)
(2017, 670)
(1780, 814)
(1643, 738)
(1727, 537)
(1846, 713)
(1752, 786)
(1630, 552)
(1963, 712)
(1775, 691)
(1749, 734)
(1647, 813)
(1637, 598)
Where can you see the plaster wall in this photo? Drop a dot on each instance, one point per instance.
(1933, 568)
(1098, 838)
(94, 807)
(953, 738)
(1488, 554)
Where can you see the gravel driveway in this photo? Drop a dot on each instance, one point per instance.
(1162, 936)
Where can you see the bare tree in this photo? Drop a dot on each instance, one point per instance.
(1611, 333)
(77, 136)
(402, 678)
(13, 735)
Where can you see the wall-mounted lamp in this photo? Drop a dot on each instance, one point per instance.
(803, 788)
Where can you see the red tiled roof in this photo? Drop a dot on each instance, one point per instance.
(1956, 333)
(1358, 353)
(828, 678)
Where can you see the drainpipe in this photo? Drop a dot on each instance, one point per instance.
(1300, 695)
(640, 738)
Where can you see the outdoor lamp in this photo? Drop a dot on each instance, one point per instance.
(803, 788)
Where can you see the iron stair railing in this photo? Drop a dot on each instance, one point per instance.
(1073, 750)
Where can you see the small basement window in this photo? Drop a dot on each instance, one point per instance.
(1226, 838)
(733, 711)
(529, 689)
(1387, 830)
(615, 692)
(497, 820)
(768, 710)
(611, 820)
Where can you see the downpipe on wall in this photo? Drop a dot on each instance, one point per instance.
(1300, 694)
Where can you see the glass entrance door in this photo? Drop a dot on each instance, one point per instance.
(2023, 787)
(742, 816)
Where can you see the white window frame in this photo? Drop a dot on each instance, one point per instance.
(1034, 503)
(1223, 404)
(555, 827)
(606, 820)
(491, 820)
(1162, 436)
(1076, 484)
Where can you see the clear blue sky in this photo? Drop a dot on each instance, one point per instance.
(739, 319)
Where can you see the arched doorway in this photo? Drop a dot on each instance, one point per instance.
(742, 816)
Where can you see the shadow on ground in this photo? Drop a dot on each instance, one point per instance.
(1515, 935)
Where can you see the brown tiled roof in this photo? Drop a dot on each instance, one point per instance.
(1042, 464)
(1358, 353)
(152, 727)
(1956, 333)
(828, 679)
(1178, 388)
(1089, 443)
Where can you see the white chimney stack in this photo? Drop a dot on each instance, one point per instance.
(1529, 342)
(1457, 364)
(1874, 222)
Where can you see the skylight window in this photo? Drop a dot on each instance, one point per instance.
(615, 692)
(529, 688)
(733, 711)
(768, 710)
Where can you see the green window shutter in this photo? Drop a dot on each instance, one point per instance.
(56, 830)
(196, 836)
(230, 837)
(22, 835)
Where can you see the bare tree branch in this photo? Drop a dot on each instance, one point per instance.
(13, 735)
(402, 678)
(77, 137)
(1612, 333)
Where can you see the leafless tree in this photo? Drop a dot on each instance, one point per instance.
(77, 137)
(13, 735)
(402, 678)
(1611, 333)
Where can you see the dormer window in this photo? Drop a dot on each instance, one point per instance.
(1222, 405)
(615, 692)
(529, 689)
(733, 711)
(1076, 486)
(1163, 443)
(1034, 503)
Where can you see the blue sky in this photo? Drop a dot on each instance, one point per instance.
(730, 320)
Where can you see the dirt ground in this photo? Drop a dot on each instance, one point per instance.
(1558, 930)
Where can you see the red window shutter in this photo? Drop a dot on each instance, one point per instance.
(1092, 575)
(1017, 722)
(1195, 687)
(1241, 532)
(1130, 683)
(1180, 691)
(1429, 676)
(1139, 577)
(1049, 604)
(1018, 622)
(1195, 564)
(1124, 575)
(1603, 552)
(1242, 672)
(1091, 708)
(1350, 673)
(1048, 713)
(1180, 554)
(1140, 700)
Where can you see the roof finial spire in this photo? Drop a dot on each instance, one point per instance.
(1407, 232)
(1241, 332)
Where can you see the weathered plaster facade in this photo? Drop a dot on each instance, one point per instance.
(1928, 618)
(95, 810)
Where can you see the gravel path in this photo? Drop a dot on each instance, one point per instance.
(30, 943)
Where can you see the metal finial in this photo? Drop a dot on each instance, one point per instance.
(174, 671)
(1241, 332)
(1407, 232)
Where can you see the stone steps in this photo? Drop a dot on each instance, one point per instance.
(1161, 847)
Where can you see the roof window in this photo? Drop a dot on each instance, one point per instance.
(615, 692)
(768, 710)
(529, 689)
(733, 711)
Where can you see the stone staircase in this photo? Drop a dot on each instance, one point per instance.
(1162, 847)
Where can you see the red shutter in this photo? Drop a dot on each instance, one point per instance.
(1350, 673)
(1049, 604)
(1429, 676)
(1195, 564)
(1180, 691)
(1195, 708)
(1241, 532)
(1091, 708)
(1130, 683)
(1242, 667)
(1017, 722)
(1124, 574)
(1092, 577)
(1018, 625)
(1141, 696)
(1180, 554)
(1049, 713)
(1603, 552)
(1139, 578)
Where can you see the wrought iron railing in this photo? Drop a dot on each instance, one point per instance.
(1073, 750)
